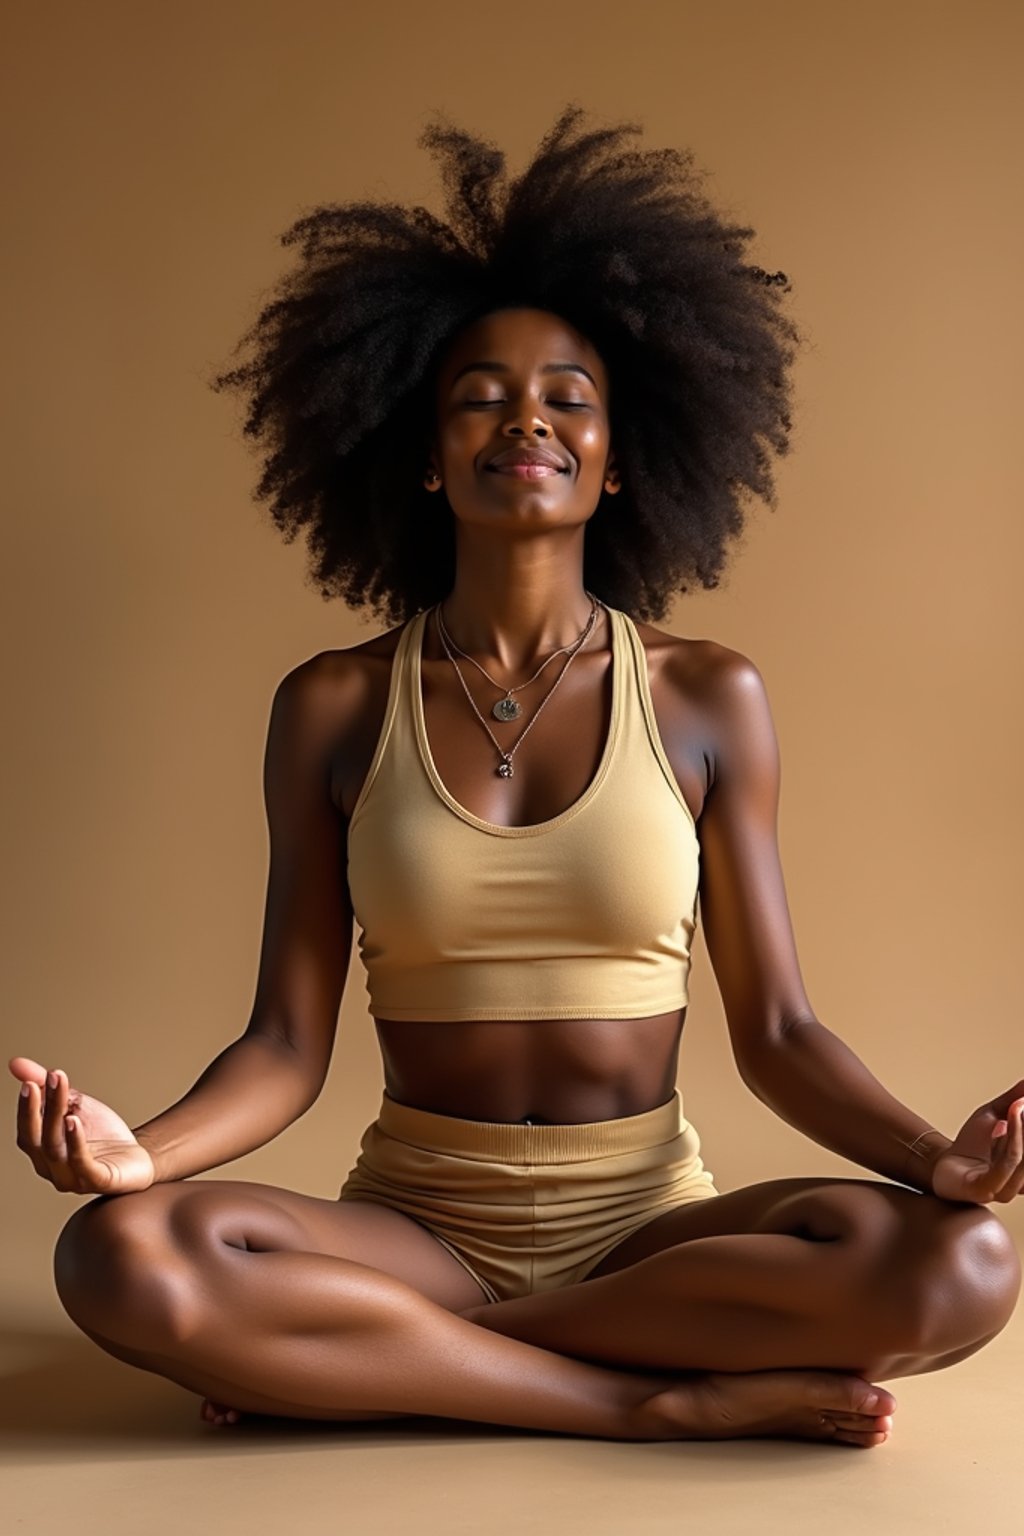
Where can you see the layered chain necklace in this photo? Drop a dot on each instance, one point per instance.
(508, 708)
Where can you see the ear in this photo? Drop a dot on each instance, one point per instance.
(612, 478)
(431, 460)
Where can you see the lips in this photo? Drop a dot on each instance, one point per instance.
(526, 456)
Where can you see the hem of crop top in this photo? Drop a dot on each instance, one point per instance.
(515, 1015)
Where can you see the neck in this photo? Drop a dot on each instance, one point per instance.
(517, 621)
(521, 630)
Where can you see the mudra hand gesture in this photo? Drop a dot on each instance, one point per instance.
(76, 1141)
(985, 1161)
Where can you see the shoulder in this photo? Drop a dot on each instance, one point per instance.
(704, 669)
(328, 691)
(721, 685)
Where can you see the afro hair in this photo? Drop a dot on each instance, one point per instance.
(338, 371)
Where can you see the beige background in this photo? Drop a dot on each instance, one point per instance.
(155, 152)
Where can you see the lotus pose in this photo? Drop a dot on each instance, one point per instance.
(515, 436)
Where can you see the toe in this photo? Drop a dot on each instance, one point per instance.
(863, 1423)
(836, 1393)
(866, 1440)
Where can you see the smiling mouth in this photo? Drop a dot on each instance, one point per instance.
(525, 471)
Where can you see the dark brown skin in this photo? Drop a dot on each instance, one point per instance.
(555, 1070)
(798, 1288)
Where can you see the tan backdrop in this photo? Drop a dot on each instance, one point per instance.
(155, 154)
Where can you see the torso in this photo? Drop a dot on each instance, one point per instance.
(552, 1070)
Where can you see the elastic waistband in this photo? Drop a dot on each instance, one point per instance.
(494, 1141)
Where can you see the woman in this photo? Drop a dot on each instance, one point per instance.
(510, 435)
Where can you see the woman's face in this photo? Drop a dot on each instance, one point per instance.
(522, 379)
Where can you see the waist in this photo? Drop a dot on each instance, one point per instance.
(496, 1141)
(557, 1070)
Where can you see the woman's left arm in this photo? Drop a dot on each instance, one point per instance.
(784, 1054)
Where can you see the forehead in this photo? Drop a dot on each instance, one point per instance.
(524, 340)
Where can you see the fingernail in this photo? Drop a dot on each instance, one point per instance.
(871, 1401)
(24, 1090)
(51, 1079)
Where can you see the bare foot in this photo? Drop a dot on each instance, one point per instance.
(802, 1405)
(727, 1405)
(218, 1413)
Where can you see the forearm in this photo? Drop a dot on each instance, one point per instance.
(247, 1096)
(813, 1081)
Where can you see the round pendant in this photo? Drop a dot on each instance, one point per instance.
(504, 770)
(507, 709)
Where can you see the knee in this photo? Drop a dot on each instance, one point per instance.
(967, 1281)
(986, 1265)
(116, 1273)
(940, 1275)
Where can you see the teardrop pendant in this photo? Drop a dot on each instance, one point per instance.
(507, 708)
(504, 769)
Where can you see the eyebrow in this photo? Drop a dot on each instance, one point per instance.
(495, 367)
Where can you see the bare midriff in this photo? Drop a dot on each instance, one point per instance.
(540, 1071)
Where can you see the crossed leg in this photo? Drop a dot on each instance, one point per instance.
(757, 1312)
(845, 1274)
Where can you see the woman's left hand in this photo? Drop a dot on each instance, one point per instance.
(986, 1160)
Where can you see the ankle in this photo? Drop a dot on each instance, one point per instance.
(651, 1405)
(668, 1408)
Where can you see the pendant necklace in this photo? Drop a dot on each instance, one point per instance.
(508, 708)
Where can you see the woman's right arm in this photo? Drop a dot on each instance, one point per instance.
(274, 1071)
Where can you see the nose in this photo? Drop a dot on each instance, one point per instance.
(514, 428)
(522, 418)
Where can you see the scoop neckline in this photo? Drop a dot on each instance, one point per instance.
(427, 758)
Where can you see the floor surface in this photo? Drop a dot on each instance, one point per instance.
(93, 1447)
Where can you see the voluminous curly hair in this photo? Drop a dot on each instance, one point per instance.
(339, 368)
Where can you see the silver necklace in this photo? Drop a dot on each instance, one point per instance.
(504, 769)
(509, 708)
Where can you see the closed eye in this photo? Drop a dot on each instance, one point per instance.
(565, 405)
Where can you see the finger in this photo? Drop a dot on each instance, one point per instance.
(1014, 1182)
(54, 1110)
(1007, 1157)
(87, 1174)
(30, 1137)
(1011, 1097)
(30, 1121)
(1012, 1149)
(25, 1067)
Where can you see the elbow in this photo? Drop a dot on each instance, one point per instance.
(307, 1076)
(764, 1048)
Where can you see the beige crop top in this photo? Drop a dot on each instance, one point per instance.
(590, 914)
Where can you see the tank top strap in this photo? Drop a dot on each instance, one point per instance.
(640, 723)
(397, 711)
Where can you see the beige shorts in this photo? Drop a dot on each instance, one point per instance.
(528, 1208)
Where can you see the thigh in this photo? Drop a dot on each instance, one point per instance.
(818, 1209)
(193, 1216)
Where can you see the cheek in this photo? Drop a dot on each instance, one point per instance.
(461, 439)
(591, 445)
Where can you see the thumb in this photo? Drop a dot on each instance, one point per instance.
(27, 1070)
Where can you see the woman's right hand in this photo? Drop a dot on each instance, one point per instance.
(75, 1141)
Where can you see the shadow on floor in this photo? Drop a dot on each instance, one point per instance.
(62, 1394)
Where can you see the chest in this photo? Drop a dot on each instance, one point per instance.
(559, 743)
